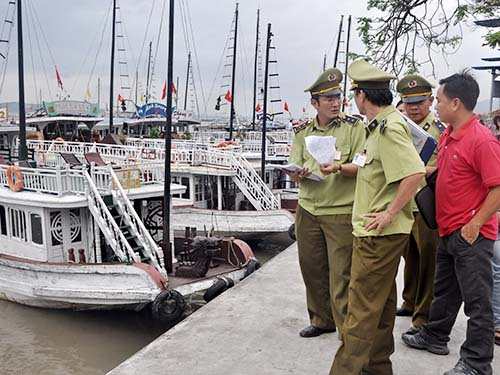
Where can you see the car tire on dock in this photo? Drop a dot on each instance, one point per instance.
(291, 232)
(168, 306)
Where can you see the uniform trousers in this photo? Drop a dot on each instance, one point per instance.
(420, 264)
(463, 274)
(325, 251)
(367, 340)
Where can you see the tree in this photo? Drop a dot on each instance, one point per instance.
(391, 39)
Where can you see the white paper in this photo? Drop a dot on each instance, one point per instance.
(292, 167)
(321, 148)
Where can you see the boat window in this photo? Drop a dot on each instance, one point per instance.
(18, 224)
(56, 230)
(75, 225)
(36, 229)
(3, 221)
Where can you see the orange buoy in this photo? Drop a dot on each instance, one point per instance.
(11, 172)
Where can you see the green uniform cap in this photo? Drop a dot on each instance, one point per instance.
(327, 84)
(367, 76)
(414, 88)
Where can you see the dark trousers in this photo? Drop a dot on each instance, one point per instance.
(463, 274)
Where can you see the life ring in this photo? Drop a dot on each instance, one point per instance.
(11, 172)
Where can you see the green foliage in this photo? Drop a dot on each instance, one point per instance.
(154, 133)
(492, 39)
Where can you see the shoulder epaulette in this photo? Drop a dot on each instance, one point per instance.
(302, 126)
(440, 125)
(351, 119)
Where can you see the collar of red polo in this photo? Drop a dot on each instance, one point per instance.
(459, 134)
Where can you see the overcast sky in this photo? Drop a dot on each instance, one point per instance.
(304, 30)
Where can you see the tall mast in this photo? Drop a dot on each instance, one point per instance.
(23, 151)
(346, 56)
(338, 41)
(168, 144)
(255, 70)
(147, 78)
(264, 105)
(231, 114)
(111, 79)
(187, 81)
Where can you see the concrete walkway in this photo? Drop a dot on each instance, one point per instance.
(253, 329)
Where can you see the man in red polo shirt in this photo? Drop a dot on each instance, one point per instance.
(467, 198)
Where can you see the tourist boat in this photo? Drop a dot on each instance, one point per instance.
(89, 238)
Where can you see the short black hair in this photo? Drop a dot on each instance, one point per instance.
(378, 97)
(315, 97)
(399, 103)
(462, 86)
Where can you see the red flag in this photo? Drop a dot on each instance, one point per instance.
(285, 107)
(120, 98)
(228, 96)
(174, 89)
(59, 81)
(257, 108)
(304, 109)
(164, 90)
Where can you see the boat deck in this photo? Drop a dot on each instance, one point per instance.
(253, 329)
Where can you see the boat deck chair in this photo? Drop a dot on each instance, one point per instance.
(71, 159)
(94, 157)
(4, 161)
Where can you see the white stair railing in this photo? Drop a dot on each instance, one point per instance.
(151, 249)
(107, 224)
(252, 185)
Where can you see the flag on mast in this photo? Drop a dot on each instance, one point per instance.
(285, 107)
(228, 96)
(257, 108)
(59, 81)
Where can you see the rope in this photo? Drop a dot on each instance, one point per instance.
(233, 253)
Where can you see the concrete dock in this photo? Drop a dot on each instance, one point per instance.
(253, 329)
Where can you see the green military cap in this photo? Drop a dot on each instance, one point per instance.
(367, 76)
(327, 84)
(414, 88)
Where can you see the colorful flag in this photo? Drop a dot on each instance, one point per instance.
(228, 96)
(174, 89)
(257, 108)
(59, 81)
(164, 90)
(120, 98)
(285, 107)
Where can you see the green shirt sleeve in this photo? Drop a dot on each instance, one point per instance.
(296, 152)
(398, 155)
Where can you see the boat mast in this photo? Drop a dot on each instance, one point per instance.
(255, 71)
(167, 250)
(111, 79)
(264, 105)
(23, 152)
(346, 56)
(338, 41)
(231, 114)
(147, 78)
(187, 80)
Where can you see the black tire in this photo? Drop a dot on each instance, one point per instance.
(168, 306)
(221, 285)
(291, 232)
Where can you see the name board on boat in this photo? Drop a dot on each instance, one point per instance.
(129, 178)
(151, 109)
(71, 107)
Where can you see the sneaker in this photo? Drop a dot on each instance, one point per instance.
(462, 368)
(413, 330)
(417, 341)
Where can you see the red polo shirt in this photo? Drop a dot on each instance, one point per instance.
(469, 164)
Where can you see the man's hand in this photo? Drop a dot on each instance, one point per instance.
(299, 175)
(380, 220)
(327, 168)
(470, 232)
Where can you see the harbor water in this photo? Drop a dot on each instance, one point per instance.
(52, 342)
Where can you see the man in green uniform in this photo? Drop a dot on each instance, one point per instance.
(323, 219)
(390, 171)
(420, 256)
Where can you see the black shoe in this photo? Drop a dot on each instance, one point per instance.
(403, 312)
(311, 331)
(417, 341)
(462, 368)
(413, 330)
